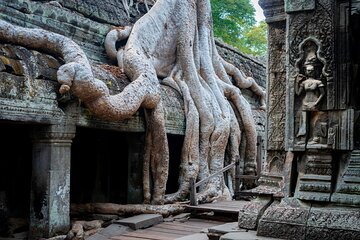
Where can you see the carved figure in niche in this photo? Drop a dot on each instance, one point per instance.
(308, 84)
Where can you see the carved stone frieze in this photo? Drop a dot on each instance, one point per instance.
(291, 219)
(315, 174)
(296, 5)
(276, 87)
(311, 69)
(286, 220)
(63, 133)
(333, 223)
(250, 212)
(348, 183)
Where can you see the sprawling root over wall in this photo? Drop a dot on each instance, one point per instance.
(174, 42)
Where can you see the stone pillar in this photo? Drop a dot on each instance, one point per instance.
(50, 181)
(272, 177)
(319, 127)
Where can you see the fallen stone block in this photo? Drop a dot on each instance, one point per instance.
(141, 221)
(217, 231)
(110, 231)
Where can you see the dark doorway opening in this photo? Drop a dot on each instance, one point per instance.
(99, 166)
(15, 177)
(175, 146)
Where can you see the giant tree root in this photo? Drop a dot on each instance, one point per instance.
(76, 76)
(128, 209)
(173, 41)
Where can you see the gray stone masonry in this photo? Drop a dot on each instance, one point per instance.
(50, 183)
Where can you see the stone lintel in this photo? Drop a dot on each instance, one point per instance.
(273, 10)
(298, 6)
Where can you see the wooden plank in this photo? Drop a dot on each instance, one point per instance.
(235, 205)
(125, 238)
(215, 209)
(180, 232)
(176, 223)
(178, 228)
(169, 230)
(153, 235)
(197, 223)
(201, 222)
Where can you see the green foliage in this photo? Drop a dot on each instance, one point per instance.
(256, 39)
(234, 23)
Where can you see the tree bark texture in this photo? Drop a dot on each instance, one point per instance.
(173, 42)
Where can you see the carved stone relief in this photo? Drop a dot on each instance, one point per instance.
(310, 87)
(299, 5)
(276, 87)
(310, 72)
(348, 184)
(315, 173)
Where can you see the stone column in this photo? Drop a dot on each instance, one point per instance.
(50, 181)
(272, 177)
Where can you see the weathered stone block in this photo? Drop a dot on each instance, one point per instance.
(296, 5)
(141, 221)
(250, 213)
(333, 223)
(284, 220)
(110, 231)
(217, 231)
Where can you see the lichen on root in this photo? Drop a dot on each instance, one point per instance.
(173, 42)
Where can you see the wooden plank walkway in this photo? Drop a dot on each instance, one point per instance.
(169, 230)
(228, 207)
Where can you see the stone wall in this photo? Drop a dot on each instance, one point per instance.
(312, 160)
(29, 95)
(87, 23)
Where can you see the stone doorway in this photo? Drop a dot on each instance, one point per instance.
(15, 177)
(99, 166)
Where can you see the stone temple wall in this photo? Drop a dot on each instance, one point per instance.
(87, 23)
(29, 96)
(309, 187)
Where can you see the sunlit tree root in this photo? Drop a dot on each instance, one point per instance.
(177, 38)
(76, 76)
(128, 209)
(174, 42)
